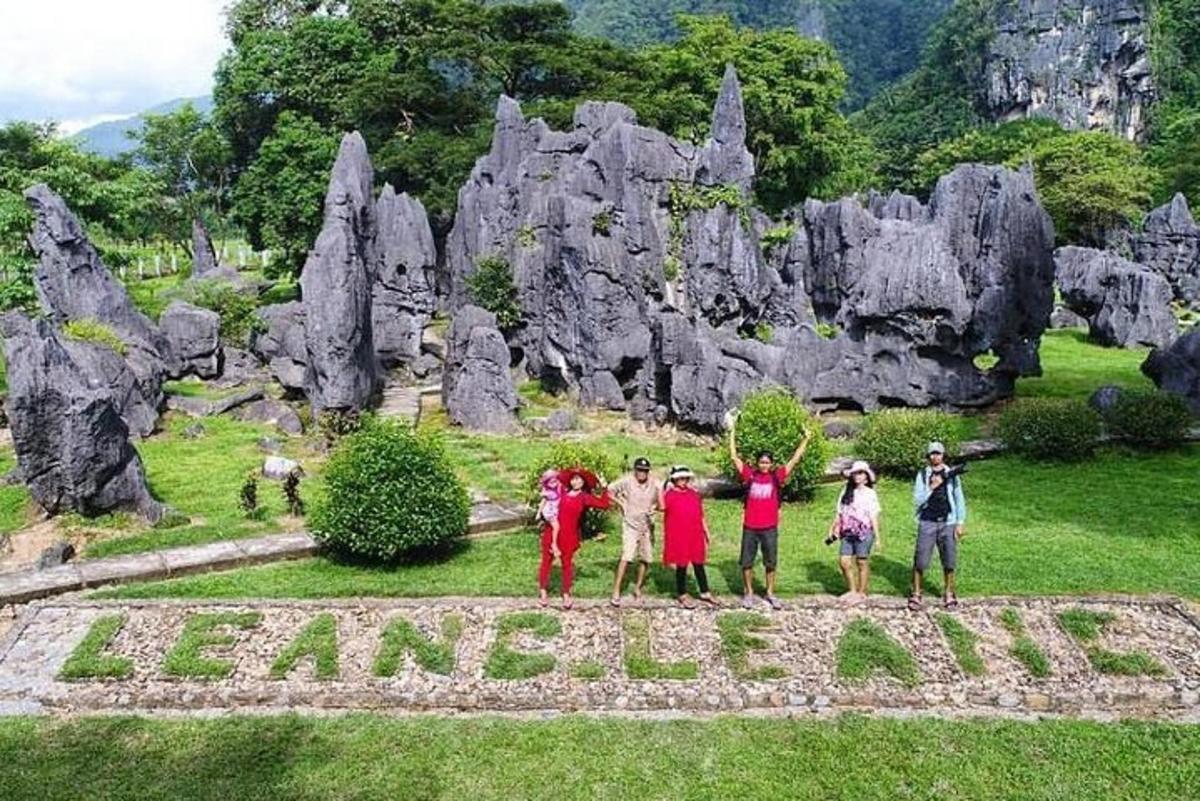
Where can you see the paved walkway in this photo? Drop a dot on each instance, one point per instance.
(507, 656)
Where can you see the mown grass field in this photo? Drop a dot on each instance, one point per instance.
(1123, 522)
(417, 759)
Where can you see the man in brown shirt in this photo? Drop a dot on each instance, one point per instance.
(638, 497)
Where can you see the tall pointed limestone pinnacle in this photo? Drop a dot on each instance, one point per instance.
(725, 159)
(336, 288)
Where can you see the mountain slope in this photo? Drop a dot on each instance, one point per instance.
(111, 139)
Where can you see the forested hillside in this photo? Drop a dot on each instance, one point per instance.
(878, 41)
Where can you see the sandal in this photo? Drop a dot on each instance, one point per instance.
(543, 599)
(914, 603)
(615, 601)
(568, 602)
(686, 602)
(951, 603)
(711, 601)
(775, 603)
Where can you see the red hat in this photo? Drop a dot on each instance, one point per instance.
(589, 478)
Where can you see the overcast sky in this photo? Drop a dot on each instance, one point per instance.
(84, 61)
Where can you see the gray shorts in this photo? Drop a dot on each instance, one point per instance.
(930, 534)
(859, 547)
(752, 539)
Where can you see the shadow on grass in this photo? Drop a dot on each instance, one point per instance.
(429, 557)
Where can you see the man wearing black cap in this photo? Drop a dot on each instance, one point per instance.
(638, 497)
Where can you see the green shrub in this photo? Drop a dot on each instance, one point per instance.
(236, 310)
(492, 288)
(390, 493)
(1149, 419)
(575, 454)
(774, 420)
(1050, 428)
(895, 440)
(96, 332)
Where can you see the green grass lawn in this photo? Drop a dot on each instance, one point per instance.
(417, 759)
(202, 478)
(1072, 367)
(14, 501)
(1123, 522)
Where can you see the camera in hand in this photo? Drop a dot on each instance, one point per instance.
(955, 471)
(832, 538)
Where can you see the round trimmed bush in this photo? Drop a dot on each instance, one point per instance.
(575, 454)
(895, 440)
(390, 493)
(1149, 419)
(1050, 428)
(774, 420)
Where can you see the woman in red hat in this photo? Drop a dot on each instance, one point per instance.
(578, 498)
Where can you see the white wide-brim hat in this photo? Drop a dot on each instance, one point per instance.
(860, 467)
(681, 471)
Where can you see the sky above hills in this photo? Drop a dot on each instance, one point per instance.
(84, 61)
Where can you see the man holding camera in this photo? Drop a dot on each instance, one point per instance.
(941, 513)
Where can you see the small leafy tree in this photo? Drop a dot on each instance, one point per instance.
(491, 286)
(773, 420)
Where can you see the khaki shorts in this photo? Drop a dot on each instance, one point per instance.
(637, 544)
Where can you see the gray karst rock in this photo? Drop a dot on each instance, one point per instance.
(1125, 304)
(239, 367)
(281, 345)
(1084, 63)
(643, 283)
(1176, 368)
(1062, 317)
(205, 265)
(477, 386)
(1105, 398)
(404, 292)
(204, 255)
(71, 443)
(73, 284)
(105, 370)
(341, 371)
(1169, 244)
(272, 412)
(194, 334)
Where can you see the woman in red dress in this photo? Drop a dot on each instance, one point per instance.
(575, 501)
(685, 535)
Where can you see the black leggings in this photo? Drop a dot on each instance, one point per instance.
(681, 579)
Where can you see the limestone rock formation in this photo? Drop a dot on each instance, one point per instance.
(1169, 244)
(104, 370)
(404, 291)
(335, 286)
(643, 283)
(71, 444)
(204, 255)
(1084, 63)
(205, 266)
(194, 334)
(73, 284)
(1125, 304)
(1177, 368)
(281, 345)
(477, 387)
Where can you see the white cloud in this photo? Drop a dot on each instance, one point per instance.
(80, 59)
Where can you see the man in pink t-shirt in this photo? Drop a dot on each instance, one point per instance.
(760, 525)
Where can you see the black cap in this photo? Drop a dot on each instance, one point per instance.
(641, 463)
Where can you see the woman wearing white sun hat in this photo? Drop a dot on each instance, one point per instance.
(857, 527)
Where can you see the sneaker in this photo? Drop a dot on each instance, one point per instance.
(775, 603)
(747, 601)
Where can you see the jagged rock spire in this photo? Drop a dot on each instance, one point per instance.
(725, 159)
(336, 288)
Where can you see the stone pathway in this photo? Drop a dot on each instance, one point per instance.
(462, 655)
(402, 402)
